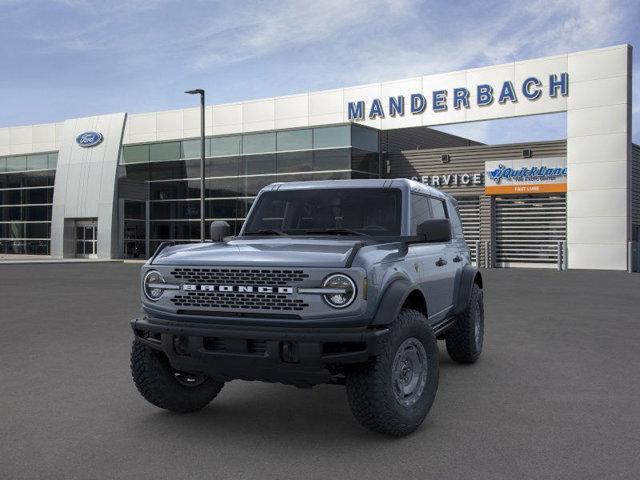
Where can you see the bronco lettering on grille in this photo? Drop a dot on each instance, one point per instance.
(237, 289)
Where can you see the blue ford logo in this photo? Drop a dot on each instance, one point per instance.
(89, 139)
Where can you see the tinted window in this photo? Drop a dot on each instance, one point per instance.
(160, 152)
(295, 162)
(419, 211)
(437, 207)
(372, 211)
(327, 137)
(135, 154)
(332, 159)
(258, 164)
(259, 143)
(225, 146)
(295, 140)
(454, 216)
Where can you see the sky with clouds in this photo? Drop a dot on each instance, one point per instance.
(73, 58)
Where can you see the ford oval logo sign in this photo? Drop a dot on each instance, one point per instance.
(89, 139)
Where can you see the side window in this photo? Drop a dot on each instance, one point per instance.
(454, 216)
(420, 211)
(437, 206)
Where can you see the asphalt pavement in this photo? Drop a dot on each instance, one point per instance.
(556, 393)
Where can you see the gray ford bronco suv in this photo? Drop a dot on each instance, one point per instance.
(348, 282)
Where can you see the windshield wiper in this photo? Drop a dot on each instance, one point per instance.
(338, 231)
(266, 232)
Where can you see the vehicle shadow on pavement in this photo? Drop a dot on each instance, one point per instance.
(274, 411)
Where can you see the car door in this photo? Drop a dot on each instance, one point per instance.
(428, 262)
(448, 262)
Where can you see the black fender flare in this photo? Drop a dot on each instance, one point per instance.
(467, 279)
(392, 300)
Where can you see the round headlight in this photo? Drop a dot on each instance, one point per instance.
(344, 290)
(152, 285)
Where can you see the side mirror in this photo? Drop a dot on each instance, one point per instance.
(219, 230)
(435, 230)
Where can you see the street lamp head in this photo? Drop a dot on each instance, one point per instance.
(199, 91)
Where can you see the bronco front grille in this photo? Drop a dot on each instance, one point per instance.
(239, 276)
(238, 301)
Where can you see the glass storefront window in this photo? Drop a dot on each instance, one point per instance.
(328, 137)
(222, 166)
(339, 159)
(226, 146)
(17, 164)
(52, 160)
(161, 152)
(250, 186)
(38, 162)
(365, 161)
(258, 164)
(23, 163)
(364, 138)
(222, 187)
(295, 162)
(177, 210)
(295, 140)
(134, 210)
(259, 143)
(191, 148)
(217, 209)
(135, 153)
(137, 171)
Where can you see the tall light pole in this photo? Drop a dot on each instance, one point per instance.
(200, 92)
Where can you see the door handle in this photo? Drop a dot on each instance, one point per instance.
(457, 258)
(441, 262)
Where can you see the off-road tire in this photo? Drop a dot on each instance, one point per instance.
(155, 380)
(370, 387)
(460, 339)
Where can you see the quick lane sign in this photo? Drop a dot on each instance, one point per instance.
(531, 89)
(526, 176)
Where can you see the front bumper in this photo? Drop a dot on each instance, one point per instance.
(298, 356)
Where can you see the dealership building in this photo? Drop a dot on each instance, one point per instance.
(117, 185)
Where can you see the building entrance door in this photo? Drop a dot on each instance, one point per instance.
(87, 239)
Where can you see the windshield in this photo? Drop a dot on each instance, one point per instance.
(356, 211)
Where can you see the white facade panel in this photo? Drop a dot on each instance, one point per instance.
(44, 134)
(5, 137)
(295, 106)
(85, 184)
(21, 135)
(258, 115)
(599, 63)
(598, 230)
(329, 102)
(366, 93)
(401, 88)
(597, 120)
(598, 93)
(227, 119)
(608, 147)
(447, 82)
(598, 256)
(494, 76)
(599, 240)
(142, 124)
(606, 175)
(540, 69)
(170, 121)
(597, 203)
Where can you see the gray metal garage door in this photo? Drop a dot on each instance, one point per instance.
(528, 230)
(470, 215)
